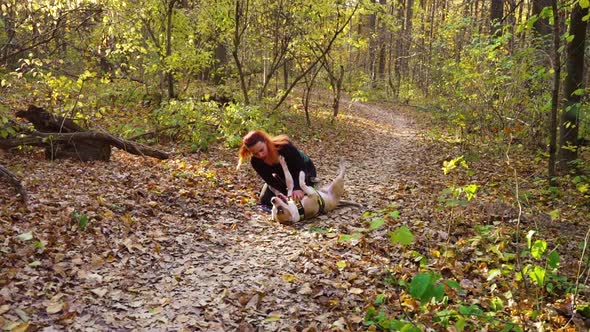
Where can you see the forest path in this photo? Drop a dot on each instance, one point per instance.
(237, 274)
(178, 245)
(240, 274)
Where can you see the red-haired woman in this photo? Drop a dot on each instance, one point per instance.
(264, 152)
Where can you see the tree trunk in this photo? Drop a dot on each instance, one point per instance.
(570, 117)
(373, 44)
(307, 95)
(14, 181)
(286, 74)
(382, 45)
(555, 94)
(337, 93)
(542, 25)
(169, 77)
(241, 10)
(407, 43)
(325, 51)
(496, 14)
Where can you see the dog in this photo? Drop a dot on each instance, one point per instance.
(286, 211)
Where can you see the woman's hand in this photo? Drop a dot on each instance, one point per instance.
(298, 195)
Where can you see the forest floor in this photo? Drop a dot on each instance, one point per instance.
(180, 245)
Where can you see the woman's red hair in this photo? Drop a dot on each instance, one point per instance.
(273, 144)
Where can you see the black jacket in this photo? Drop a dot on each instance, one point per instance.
(296, 161)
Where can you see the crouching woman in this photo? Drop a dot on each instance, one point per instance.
(263, 151)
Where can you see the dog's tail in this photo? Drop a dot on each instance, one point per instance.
(344, 202)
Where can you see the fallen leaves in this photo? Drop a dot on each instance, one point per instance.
(178, 244)
(54, 307)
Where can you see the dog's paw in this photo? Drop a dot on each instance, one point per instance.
(283, 197)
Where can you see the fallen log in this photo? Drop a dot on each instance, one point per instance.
(36, 138)
(63, 138)
(46, 122)
(14, 181)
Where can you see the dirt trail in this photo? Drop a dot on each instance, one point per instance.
(233, 269)
(241, 274)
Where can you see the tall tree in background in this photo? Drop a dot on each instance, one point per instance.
(407, 37)
(496, 16)
(382, 36)
(542, 25)
(241, 16)
(555, 93)
(335, 27)
(373, 41)
(573, 88)
(169, 72)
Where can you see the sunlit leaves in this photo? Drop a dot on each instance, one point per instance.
(376, 223)
(374, 318)
(538, 248)
(450, 165)
(493, 273)
(349, 237)
(424, 287)
(402, 235)
(537, 275)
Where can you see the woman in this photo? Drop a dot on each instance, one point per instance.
(264, 152)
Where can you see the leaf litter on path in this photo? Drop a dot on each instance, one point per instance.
(179, 244)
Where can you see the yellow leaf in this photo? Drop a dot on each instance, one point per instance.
(54, 308)
(289, 277)
(341, 264)
(127, 218)
(554, 215)
(22, 327)
(273, 318)
(449, 253)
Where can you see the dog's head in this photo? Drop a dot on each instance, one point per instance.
(284, 211)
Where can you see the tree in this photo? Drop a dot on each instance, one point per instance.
(240, 25)
(169, 73)
(541, 24)
(555, 93)
(573, 88)
(496, 16)
(340, 22)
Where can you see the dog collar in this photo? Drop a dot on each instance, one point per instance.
(301, 210)
(299, 206)
(321, 202)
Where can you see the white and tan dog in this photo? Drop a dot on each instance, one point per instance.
(285, 210)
